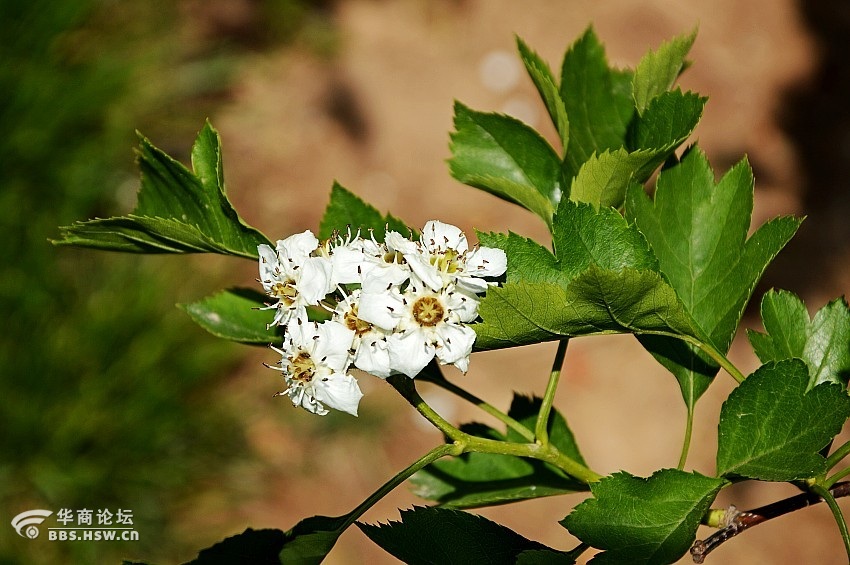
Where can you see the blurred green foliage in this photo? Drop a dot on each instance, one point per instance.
(105, 386)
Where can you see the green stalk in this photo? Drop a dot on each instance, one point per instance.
(468, 443)
(541, 429)
(836, 513)
(400, 477)
(686, 445)
(437, 378)
(836, 477)
(838, 455)
(709, 350)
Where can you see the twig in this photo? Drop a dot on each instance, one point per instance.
(740, 521)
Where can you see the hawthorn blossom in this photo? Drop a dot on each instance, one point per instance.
(423, 323)
(314, 361)
(296, 279)
(442, 257)
(369, 348)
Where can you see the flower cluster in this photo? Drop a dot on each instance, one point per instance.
(395, 305)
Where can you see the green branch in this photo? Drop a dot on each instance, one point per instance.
(469, 443)
(541, 429)
(436, 377)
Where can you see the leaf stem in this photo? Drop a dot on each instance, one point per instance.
(400, 477)
(686, 444)
(469, 443)
(541, 428)
(838, 455)
(709, 349)
(836, 477)
(826, 495)
(436, 377)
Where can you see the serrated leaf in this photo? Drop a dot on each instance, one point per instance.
(659, 69)
(527, 260)
(235, 315)
(311, 539)
(484, 479)
(665, 124)
(251, 546)
(178, 211)
(771, 429)
(441, 536)
(505, 157)
(698, 231)
(597, 99)
(583, 236)
(823, 343)
(643, 521)
(546, 84)
(598, 301)
(604, 178)
(346, 210)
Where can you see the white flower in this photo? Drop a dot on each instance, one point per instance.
(443, 257)
(371, 353)
(297, 280)
(424, 323)
(314, 361)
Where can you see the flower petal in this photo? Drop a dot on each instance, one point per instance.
(410, 352)
(339, 391)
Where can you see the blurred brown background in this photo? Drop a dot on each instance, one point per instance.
(362, 93)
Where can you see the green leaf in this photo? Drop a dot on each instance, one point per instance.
(771, 429)
(178, 211)
(658, 70)
(604, 178)
(441, 536)
(251, 546)
(347, 210)
(235, 315)
(505, 157)
(583, 236)
(547, 86)
(823, 343)
(527, 260)
(239, 314)
(698, 231)
(311, 539)
(485, 479)
(597, 99)
(596, 302)
(643, 521)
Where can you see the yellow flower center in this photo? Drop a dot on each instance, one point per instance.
(355, 324)
(285, 291)
(427, 311)
(301, 367)
(446, 261)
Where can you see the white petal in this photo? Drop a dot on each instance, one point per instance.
(373, 356)
(338, 391)
(382, 309)
(410, 352)
(315, 280)
(427, 273)
(332, 347)
(268, 263)
(347, 265)
(397, 242)
(438, 236)
(298, 246)
(486, 262)
(455, 344)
